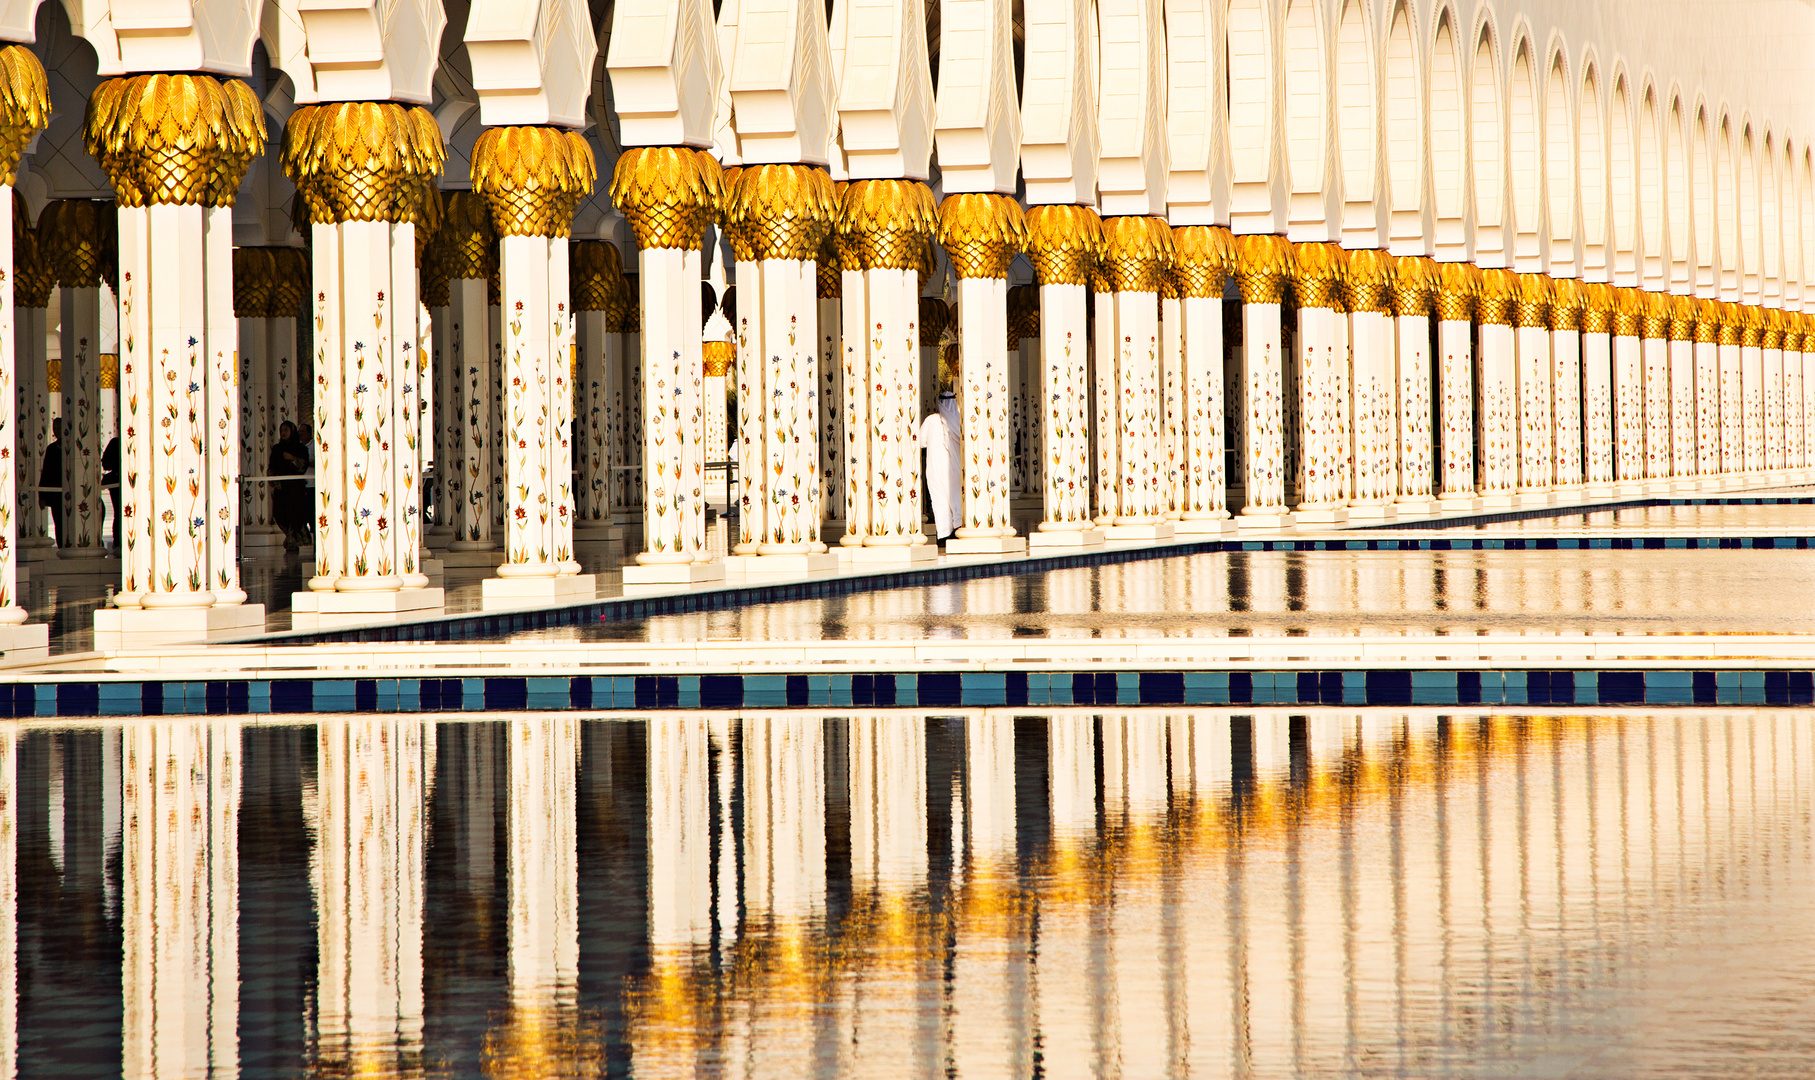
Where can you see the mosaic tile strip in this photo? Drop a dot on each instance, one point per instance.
(1578, 510)
(920, 690)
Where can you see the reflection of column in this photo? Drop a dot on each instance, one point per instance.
(1261, 265)
(373, 779)
(1531, 317)
(1063, 243)
(1566, 302)
(669, 194)
(1413, 280)
(1732, 420)
(1454, 299)
(1597, 387)
(1202, 255)
(680, 893)
(9, 898)
(179, 904)
(1496, 417)
(1628, 392)
(888, 806)
(785, 823)
(982, 232)
(1322, 474)
(531, 178)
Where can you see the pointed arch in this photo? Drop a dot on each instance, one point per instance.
(1356, 138)
(1305, 96)
(1747, 238)
(1449, 154)
(1404, 128)
(1791, 208)
(1487, 146)
(1525, 153)
(1726, 212)
(1806, 211)
(1621, 186)
(1250, 75)
(1770, 225)
(1559, 164)
(1701, 198)
(1677, 194)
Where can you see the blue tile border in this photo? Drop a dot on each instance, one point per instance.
(926, 689)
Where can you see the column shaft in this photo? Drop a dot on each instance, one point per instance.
(1172, 405)
(1321, 487)
(1566, 382)
(1455, 339)
(469, 352)
(1597, 404)
(1205, 468)
(1413, 333)
(10, 491)
(829, 493)
(1656, 351)
(892, 298)
(1066, 421)
(79, 531)
(1707, 401)
(223, 418)
(1682, 407)
(1732, 420)
(855, 348)
(1537, 454)
(1106, 394)
(1497, 414)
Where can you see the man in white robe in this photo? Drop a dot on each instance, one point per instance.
(942, 437)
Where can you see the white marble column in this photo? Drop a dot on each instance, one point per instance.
(1682, 390)
(1654, 332)
(1101, 379)
(1771, 332)
(1628, 392)
(1172, 420)
(1597, 390)
(1497, 414)
(444, 388)
(1732, 414)
(596, 279)
(981, 232)
(1317, 276)
(1137, 255)
(1537, 452)
(74, 233)
(1063, 243)
(1707, 393)
(1413, 280)
(32, 282)
(1373, 443)
(289, 292)
(1796, 417)
(1566, 384)
(532, 213)
(367, 452)
(829, 285)
(668, 194)
(1261, 265)
(1752, 387)
(1454, 297)
(18, 425)
(9, 884)
(254, 274)
(1202, 256)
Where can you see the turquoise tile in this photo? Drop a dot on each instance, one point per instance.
(841, 691)
(1127, 688)
(258, 697)
(689, 696)
(121, 699)
(331, 695)
(983, 688)
(472, 695)
(1588, 687)
(547, 693)
(1432, 688)
(1515, 688)
(771, 691)
(409, 695)
(387, 695)
(907, 690)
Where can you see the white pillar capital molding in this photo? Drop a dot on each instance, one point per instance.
(365, 207)
(981, 233)
(669, 194)
(532, 178)
(1262, 264)
(24, 111)
(179, 345)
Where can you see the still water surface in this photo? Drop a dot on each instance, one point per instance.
(1065, 895)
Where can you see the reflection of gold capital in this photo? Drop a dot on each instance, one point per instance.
(717, 358)
(1137, 254)
(595, 273)
(1597, 309)
(254, 274)
(362, 160)
(533, 177)
(667, 194)
(779, 212)
(1457, 284)
(887, 224)
(981, 232)
(1317, 273)
(1261, 264)
(53, 375)
(1063, 243)
(1494, 300)
(24, 105)
(1566, 301)
(1414, 279)
(1370, 281)
(1531, 302)
(1023, 313)
(110, 371)
(1201, 255)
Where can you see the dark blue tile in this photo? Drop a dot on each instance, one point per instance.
(1777, 688)
(1706, 693)
(1241, 688)
(1621, 688)
(1802, 687)
(1468, 688)
(863, 690)
(1016, 689)
(78, 699)
(151, 699)
(645, 692)
(799, 692)
(579, 692)
(1162, 688)
(506, 694)
(217, 698)
(721, 691)
(365, 695)
(1389, 688)
(1309, 690)
(291, 696)
(940, 689)
(1329, 687)
(886, 692)
(239, 697)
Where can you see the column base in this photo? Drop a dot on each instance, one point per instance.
(24, 641)
(1458, 503)
(668, 575)
(1661, 486)
(328, 610)
(1416, 506)
(1597, 492)
(1075, 540)
(1685, 484)
(1566, 494)
(892, 555)
(1221, 526)
(793, 565)
(1322, 515)
(1261, 520)
(986, 545)
(498, 592)
(1497, 500)
(120, 629)
(1380, 511)
(473, 560)
(1532, 499)
(1628, 489)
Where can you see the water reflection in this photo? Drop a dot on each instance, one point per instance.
(1075, 894)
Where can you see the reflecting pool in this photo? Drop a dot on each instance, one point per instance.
(1074, 894)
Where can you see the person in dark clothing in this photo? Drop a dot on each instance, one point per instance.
(290, 498)
(110, 479)
(50, 475)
